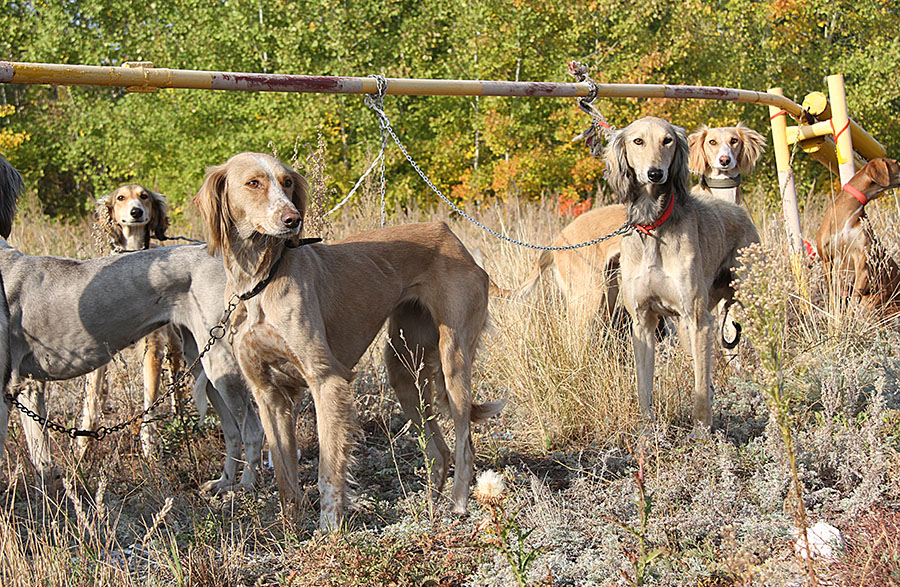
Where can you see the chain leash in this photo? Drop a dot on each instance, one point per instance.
(216, 333)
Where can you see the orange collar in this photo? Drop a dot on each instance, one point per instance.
(861, 197)
(648, 228)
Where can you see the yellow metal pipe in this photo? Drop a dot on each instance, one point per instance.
(808, 131)
(785, 175)
(841, 123)
(816, 103)
(145, 78)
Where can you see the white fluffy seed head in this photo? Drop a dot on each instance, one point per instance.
(489, 487)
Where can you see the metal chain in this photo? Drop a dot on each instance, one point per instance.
(376, 103)
(216, 333)
(386, 125)
(376, 99)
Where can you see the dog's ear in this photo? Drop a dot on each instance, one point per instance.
(300, 200)
(753, 144)
(104, 212)
(619, 174)
(212, 209)
(159, 216)
(679, 174)
(697, 160)
(879, 172)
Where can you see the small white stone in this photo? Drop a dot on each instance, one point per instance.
(825, 542)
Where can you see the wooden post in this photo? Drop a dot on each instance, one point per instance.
(840, 121)
(785, 174)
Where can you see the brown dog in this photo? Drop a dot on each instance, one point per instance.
(854, 259)
(319, 307)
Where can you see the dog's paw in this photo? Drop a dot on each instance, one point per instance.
(219, 486)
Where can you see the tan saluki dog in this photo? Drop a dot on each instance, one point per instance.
(130, 216)
(854, 259)
(721, 156)
(680, 258)
(589, 276)
(311, 311)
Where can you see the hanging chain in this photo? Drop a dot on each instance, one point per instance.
(376, 103)
(386, 127)
(216, 333)
(375, 99)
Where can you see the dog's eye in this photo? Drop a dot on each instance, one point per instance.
(713, 142)
(144, 196)
(253, 183)
(288, 182)
(734, 140)
(120, 198)
(667, 140)
(638, 141)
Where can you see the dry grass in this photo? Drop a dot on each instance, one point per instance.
(720, 505)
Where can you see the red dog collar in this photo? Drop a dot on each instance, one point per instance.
(647, 228)
(861, 197)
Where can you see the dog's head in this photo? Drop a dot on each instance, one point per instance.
(724, 149)
(884, 172)
(133, 206)
(649, 152)
(252, 193)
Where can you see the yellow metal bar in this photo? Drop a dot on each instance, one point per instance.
(816, 103)
(786, 184)
(841, 124)
(143, 77)
(808, 131)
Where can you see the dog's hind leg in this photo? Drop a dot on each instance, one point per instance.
(412, 365)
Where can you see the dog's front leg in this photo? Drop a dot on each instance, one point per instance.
(336, 426)
(33, 396)
(700, 327)
(643, 330)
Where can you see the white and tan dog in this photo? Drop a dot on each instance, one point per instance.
(680, 258)
(312, 311)
(130, 216)
(721, 156)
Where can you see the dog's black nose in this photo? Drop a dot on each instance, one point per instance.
(724, 160)
(291, 219)
(655, 174)
(137, 213)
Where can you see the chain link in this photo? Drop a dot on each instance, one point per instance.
(216, 333)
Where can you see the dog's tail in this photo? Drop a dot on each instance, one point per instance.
(11, 186)
(735, 327)
(527, 287)
(485, 411)
(493, 289)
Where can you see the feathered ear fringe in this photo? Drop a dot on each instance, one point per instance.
(159, 217)
(209, 202)
(619, 174)
(105, 224)
(11, 186)
(300, 199)
(752, 148)
(679, 174)
(697, 160)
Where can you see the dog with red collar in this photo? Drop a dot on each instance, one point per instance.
(855, 262)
